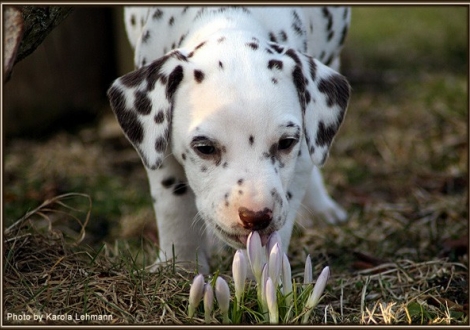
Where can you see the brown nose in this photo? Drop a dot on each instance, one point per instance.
(255, 220)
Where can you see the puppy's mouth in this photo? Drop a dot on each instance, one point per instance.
(239, 241)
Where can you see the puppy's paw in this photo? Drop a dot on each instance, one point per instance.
(332, 212)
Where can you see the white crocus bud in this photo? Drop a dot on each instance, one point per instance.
(275, 264)
(208, 302)
(222, 292)
(308, 277)
(271, 300)
(315, 296)
(195, 294)
(272, 240)
(286, 279)
(239, 269)
(262, 292)
(256, 255)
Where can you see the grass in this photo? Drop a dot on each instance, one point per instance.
(399, 165)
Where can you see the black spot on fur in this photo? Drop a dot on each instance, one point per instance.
(132, 79)
(253, 45)
(128, 120)
(336, 89)
(325, 134)
(225, 165)
(277, 48)
(180, 42)
(329, 60)
(200, 45)
(142, 103)
(198, 75)
(171, 21)
(289, 195)
(344, 32)
(203, 169)
(183, 155)
(180, 189)
(274, 80)
(275, 63)
(152, 73)
(160, 144)
(299, 82)
(168, 182)
(157, 14)
(146, 36)
(272, 37)
(177, 54)
(251, 140)
(312, 68)
(283, 35)
(240, 182)
(174, 80)
(221, 65)
(293, 54)
(307, 97)
(221, 39)
(159, 117)
(297, 24)
(133, 20)
(330, 35)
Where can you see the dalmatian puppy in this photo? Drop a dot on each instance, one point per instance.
(232, 110)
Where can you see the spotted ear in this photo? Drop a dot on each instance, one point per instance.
(324, 96)
(142, 102)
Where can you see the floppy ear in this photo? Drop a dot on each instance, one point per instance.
(142, 102)
(324, 96)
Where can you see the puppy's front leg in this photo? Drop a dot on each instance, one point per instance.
(180, 230)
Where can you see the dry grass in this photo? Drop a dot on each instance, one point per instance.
(399, 166)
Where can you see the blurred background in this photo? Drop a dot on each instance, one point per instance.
(405, 132)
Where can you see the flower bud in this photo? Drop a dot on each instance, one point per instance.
(222, 292)
(308, 278)
(318, 289)
(256, 255)
(262, 293)
(195, 294)
(271, 300)
(272, 240)
(275, 263)
(208, 302)
(286, 279)
(239, 269)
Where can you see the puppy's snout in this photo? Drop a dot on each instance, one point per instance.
(255, 220)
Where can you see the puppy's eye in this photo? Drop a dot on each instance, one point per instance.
(204, 147)
(205, 150)
(286, 144)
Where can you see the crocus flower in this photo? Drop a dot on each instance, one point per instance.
(275, 264)
(256, 255)
(262, 291)
(271, 300)
(272, 240)
(222, 292)
(308, 278)
(208, 302)
(239, 269)
(286, 279)
(318, 289)
(195, 294)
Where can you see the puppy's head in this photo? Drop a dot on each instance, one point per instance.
(238, 114)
